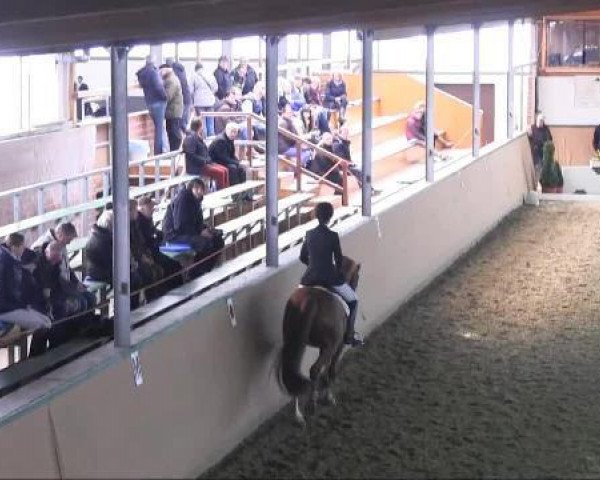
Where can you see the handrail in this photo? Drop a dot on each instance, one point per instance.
(337, 161)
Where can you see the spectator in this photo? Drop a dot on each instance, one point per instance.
(183, 223)
(64, 234)
(297, 94)
(312, 90)
(596, 139)
(204, 87)
(255, 102)
(286, 145)
(16, 297)
(197, 158)
(416, 127)
(245, 76)
(539, 133)
(99, 256)
(341, 148)
(336, 96)
(309, 130)
(151, 239)
(62, 300)
(179, 70)
(174, 111)
(82, 105)
(156, 101)
(222, 151)
(322, 164)
(223, 78)
(230, 104)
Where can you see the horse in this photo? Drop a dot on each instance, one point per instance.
(314, 317)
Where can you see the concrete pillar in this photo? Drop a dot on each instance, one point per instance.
(120, 192)
(272, 222)
(156, 54)
(476, 132)
(510, 83)
(227, 50)
(430, 107)
(326, 55)
(367, 120)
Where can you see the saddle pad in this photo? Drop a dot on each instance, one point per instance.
(337, 296)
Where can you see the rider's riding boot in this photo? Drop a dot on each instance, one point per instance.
(350, 338)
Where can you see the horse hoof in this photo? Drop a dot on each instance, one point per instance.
(328, 400)
(300, 421)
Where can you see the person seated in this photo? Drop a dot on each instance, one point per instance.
(288, 146)
(197, 159)
(312, 91)
(19, 302)
(99, 256)
(64, 234)
(184, 223)
(245, 76)
(336, 96)
(151, 238)
(322, 253)
(222, 152)
(322, 164)
(341, 148)
(141, 257)
(62, 301)
(255, 102)
(416, 128)
(309, 131)
(297, 94)
(232, 104)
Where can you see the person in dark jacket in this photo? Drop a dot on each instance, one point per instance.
(596, 139)
(322, 253)
(341, 148)
(197, 158)
(223, 77)
(99, 256)
(18, 301)
(287, 146)
(179, 70)
(336, 96)
(538, 134)
(245, 76)
(183, 223)
(61, 301)
(222, 151)
(151, 239)
(321, 164)
(155, 96)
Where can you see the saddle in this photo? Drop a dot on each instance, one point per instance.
(338, 297)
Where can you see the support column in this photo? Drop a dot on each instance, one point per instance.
(510, 83)
(430, 107)
(120, 192)
(282, 53)
(326, 53)
(476, 132)
(156, 54)
(227, 50)
(272, 222)
(367, 120)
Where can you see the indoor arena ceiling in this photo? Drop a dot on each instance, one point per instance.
(37, 26)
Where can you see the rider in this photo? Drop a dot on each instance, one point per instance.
(319, 250)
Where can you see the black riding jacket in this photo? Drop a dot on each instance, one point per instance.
(319, 251)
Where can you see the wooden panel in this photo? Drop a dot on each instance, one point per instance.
(573, 144)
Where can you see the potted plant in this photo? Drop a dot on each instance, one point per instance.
(549, 176)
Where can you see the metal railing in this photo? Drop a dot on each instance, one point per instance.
(299, 170)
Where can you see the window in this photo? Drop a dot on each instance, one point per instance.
(573, 43)
(188, 50)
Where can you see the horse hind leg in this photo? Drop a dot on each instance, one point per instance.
(328, 398)
(318, 376)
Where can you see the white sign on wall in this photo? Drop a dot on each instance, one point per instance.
(587, 91)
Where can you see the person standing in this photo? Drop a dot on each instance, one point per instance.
(179, 70)
(204, 87)
(245, 76)
(155, 97)
(174, 110)
(539, 134)
(223, 77)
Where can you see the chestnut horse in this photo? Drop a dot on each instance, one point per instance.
(314, 317)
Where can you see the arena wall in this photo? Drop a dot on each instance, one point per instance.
(208, 382)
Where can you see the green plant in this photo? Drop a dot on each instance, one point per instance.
(559, 175)
(550, 175)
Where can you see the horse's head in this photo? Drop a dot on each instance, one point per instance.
(351, 272)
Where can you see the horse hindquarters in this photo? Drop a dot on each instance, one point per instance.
(296, 326)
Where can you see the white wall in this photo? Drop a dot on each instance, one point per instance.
(558, 103)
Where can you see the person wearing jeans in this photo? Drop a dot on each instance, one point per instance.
(155, 96)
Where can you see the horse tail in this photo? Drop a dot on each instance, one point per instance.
(296, 328)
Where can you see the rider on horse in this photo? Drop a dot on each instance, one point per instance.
(319, 250)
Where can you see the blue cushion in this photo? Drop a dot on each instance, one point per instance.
(175, 247)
